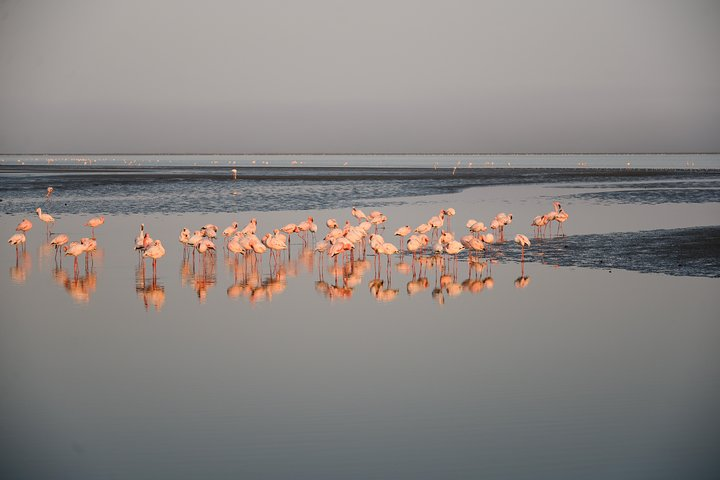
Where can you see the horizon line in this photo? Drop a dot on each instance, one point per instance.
(358, 154)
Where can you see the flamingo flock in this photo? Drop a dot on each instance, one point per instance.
(544, 222)
(430, 242)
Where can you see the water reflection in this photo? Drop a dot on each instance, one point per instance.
(23, 265)
(522, 282)
(80, 287)
(249, 282)
(150, 292)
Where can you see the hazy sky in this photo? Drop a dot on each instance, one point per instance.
(359, 76)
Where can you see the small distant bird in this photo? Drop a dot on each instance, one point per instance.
(50, 190)
(234, 173)
(95, 222)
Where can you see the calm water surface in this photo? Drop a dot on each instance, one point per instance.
(498, 369)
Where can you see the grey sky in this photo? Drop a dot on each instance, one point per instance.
(359, 76)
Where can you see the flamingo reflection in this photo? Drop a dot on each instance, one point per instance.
(151, 293)
(23, 264)
(81, 287)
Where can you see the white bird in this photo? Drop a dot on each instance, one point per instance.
(139, 239)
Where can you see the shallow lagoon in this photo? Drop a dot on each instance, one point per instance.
(545, 371)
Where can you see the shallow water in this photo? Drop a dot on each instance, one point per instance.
(545, 369)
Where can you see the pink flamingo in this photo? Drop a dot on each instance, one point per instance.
(17, 239)
(154, 251)
(24, 226)
(94, 222)
(45, 217)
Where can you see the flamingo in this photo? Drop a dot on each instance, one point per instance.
(141, 236)
(58, 241)
(477, 227)
(155, 251)
(446, 237)
(275, 243)
(423, 228)
(194, 240)
(234, 173)
(235, 245)
(454, 248)
(147, 242)
(90, 245)
(475, 244)
(94, 222)
(357, 213)
(250, 228)
(17, 239)
(403, 232)
(523, 241)
(209, 231)
(45, 217)
(388, 249)
(495, 226)
(502, 221)
(24, 226)
(413, 245)
(50, 190)
(184, 237)
(436, 222)
(304, 227)
(331, 223)
(378, 220)
(539, 222)
(561, 217)
(230, 231)
(450, 212)
(290, 228)
(75, 249)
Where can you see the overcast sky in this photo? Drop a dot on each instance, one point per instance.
(362, 76)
